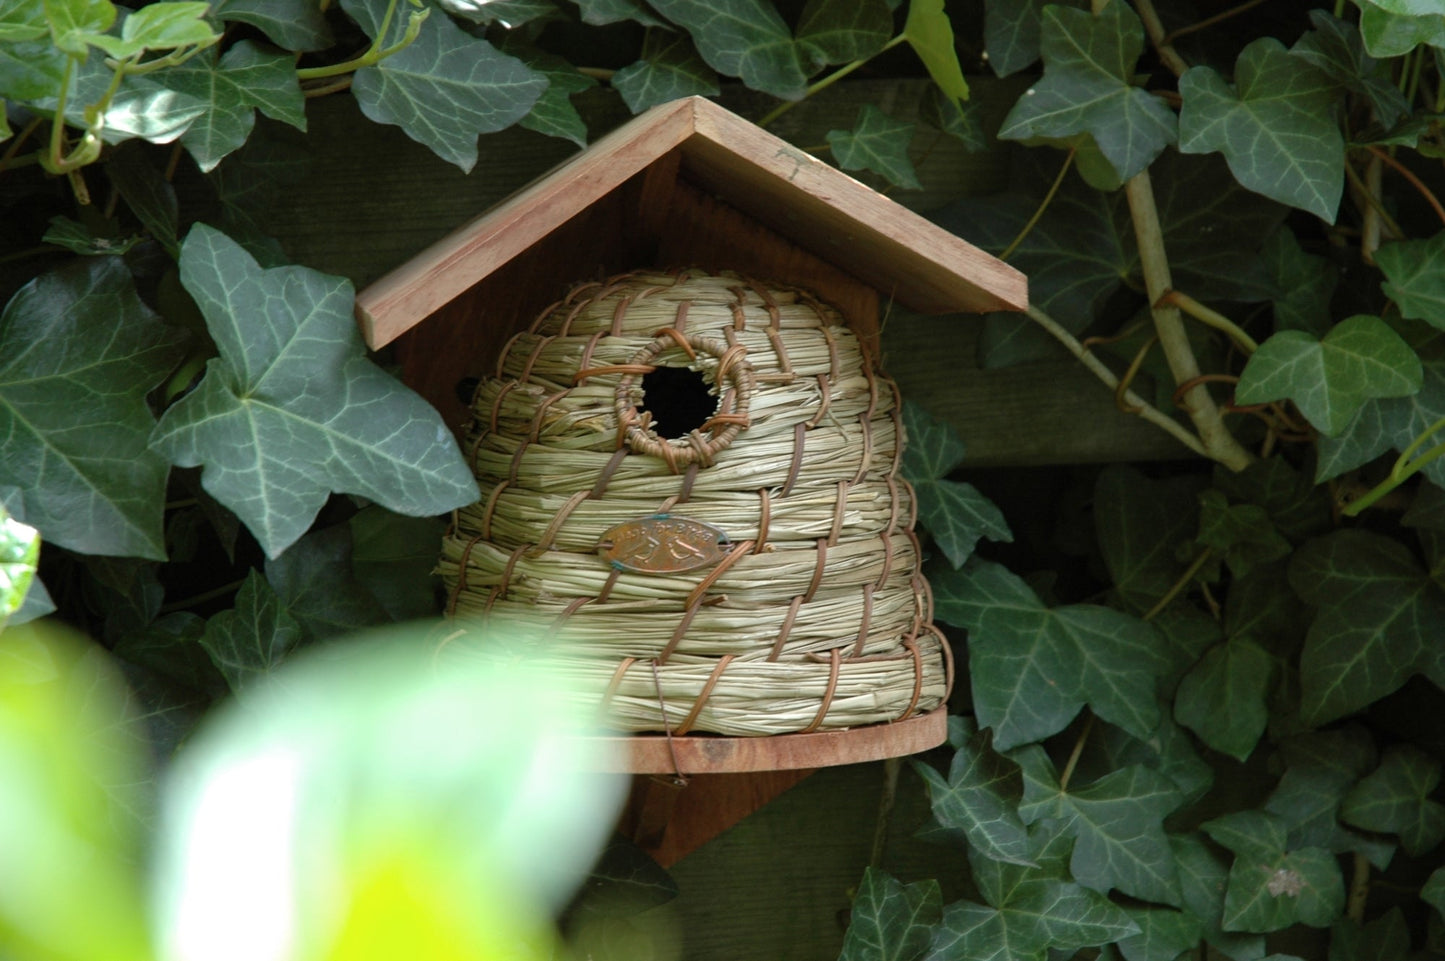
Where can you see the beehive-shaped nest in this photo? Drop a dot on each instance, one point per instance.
(691, 500)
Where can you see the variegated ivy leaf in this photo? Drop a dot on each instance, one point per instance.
(292, 409)
(1275, 125)
(1087, 89)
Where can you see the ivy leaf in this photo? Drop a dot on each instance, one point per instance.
(1242, 533)
(1030, 911)
(980, 797)
(247, 642)
(314, 581)
(1204, 878)
(891, 921)
(1433, 893)
(599, 13)
(78, 239)
(31, 67)
(1336, 47)
(508, 14)
(1330, 379)
(160, 26)
(148, 195)
(1263, 610)
(1380, 620)
(670, 68)
(930, 33)
(1117, 824)
(959, 122)
(1271, 888)
(1088, 64)
(232, 88)
(292, 410)
(1034, 667)
(248, 182)
(1141, 525)
(1223, 698)
(1011, 33)
(291, 24)
(1275, 126)
(1168, 751)
(141, 106)
(840, 31)
(78, 352)
(444, 89)
(1320, 767)
(878, 143)
(745, 39)
(1387, 938)
(955, 513)
(1303, 285)
(1296, 506)
(1164, 934)
(1387, 423)
(1412, 271)
(553, 114)
(74, 22)
(393, 557)
(1392, 30)
(1395, 799)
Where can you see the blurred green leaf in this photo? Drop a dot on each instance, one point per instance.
(1386, 938)
(1391, 30)
(1433, 893)
(930, 33)
(78, 239)
(19, 555)
(1395, 799)
(393, 557)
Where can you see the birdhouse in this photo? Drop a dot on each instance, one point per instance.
(687, 451)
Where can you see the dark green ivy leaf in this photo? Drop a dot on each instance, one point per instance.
(249, 641)
(78, 239)
(446, 88)
(1116, 823)
(958, 121)
(393, 557)
(670, 68)
(1223, 698)
(840, 31)
(1386, 938)
(1413, 271)
(1381, 619)
(1033, 667)
(1302, 285)
(1030, 911)
(31, 66)
(553, 114)
(1330, 379)
(743, 38)
(291, 24)
(1011, 32)
(1088, 65)
(1164, 934)
(78, 353)
(1335, 46)
(148, 195)
(1320, 767)
(891, 921)
(1142, 524)
(1241, 533)
(1393, 29)
(1270, 887)
(316, 585)
(954, 513)
(1204, 877)
(599, 13)
(624, 882)
(878, 143)
(1275, 126)
(1433, 893)
(292, 409)
(980, 796)
(1392, 422)
(1395, 799)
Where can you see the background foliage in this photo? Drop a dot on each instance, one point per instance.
(1201, 712)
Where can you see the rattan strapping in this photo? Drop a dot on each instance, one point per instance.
(813, 615)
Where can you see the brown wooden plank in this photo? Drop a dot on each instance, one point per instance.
(702, 754)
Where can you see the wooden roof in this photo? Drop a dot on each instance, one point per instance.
(901, 254)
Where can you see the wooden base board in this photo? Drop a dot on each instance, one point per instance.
(707, 754)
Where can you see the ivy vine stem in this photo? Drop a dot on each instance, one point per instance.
(1043, 205)
(1179, 584)
(1384, 157)
(1359, 889)
(1154, 27)
(827, 82)
(1211, 318)
(1100, 370)
(375, 53)
(1076, 753)
(1406, 466)
(1219, 444)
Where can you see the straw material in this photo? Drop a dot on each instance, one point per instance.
(809, 612)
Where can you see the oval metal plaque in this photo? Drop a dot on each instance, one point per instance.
(663, 544)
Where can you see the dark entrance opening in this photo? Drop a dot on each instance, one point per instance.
(678, 399)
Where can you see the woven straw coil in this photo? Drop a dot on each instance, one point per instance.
(813, 616)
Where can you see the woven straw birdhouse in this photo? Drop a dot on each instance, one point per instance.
(692, 481)
(690, 488)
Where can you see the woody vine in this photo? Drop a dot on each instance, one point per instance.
(1204, 718)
